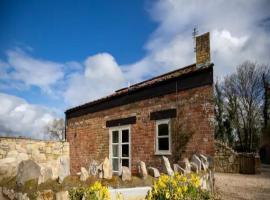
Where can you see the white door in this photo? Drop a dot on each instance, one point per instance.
(120, 148)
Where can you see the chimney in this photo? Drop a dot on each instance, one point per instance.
(203, 50)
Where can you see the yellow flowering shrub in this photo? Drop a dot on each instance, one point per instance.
(177, 187)
(94, 192)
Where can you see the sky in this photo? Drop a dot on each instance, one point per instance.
(55, 55)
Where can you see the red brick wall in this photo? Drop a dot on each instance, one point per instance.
(89, 137)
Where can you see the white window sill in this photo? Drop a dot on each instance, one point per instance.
(163, 153)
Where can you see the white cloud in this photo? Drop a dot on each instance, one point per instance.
(19, 118)
(237, 32)
(32, 71)
(102, 66)
(102, 75)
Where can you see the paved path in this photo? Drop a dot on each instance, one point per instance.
(239, 186)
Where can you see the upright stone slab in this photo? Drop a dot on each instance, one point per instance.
(93, 168)
(195, 159)
(205, 163)
(27, 170)
(54, 165)
(153, 172)
(126, 174)
(107, 169)
(204, 185)
(178, 169)
(185, 164)
(84, 174)
(167, 166)
(194, 167)
(100, 170)
(45, 173)
(142, 169)
(64, 168)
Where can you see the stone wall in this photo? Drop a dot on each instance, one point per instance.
(38, 150)
(89, 137)
(226, 159)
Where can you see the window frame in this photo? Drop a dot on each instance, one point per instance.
(163, 152)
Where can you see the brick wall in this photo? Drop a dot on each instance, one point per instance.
(203, 55)
(89, 137)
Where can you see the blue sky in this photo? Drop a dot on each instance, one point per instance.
(72, 30)
(59, 54)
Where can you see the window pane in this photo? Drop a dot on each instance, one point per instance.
(163, 129)
(115, 150)
(125, 136)
(125, 150)
(125, 162)
(115, 165)
(163, 144)
(115, 136)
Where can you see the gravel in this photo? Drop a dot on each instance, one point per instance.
(240, 186)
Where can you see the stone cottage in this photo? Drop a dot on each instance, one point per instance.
(171, 114)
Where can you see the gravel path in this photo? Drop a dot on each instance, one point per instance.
(239, 186)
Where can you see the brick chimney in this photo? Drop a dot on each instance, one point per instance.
(203, 56)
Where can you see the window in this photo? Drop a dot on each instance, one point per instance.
(120, 152)
(163, 137)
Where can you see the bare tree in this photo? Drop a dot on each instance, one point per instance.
(244, 97)
(56, 129)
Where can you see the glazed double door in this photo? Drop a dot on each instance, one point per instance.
(120, 148)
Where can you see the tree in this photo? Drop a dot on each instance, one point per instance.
(266, 88)
(219, 113)
(56, 129)
(243, 91)
(223, 116)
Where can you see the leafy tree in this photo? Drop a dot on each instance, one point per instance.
(266, 105)
(219, 113)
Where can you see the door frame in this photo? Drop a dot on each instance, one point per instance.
(119, 129)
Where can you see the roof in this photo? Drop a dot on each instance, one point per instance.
(144, 84)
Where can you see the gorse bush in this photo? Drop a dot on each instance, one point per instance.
(94, 192)
(177, 187)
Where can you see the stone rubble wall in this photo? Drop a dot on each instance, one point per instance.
(38, 150)
(226, 159)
